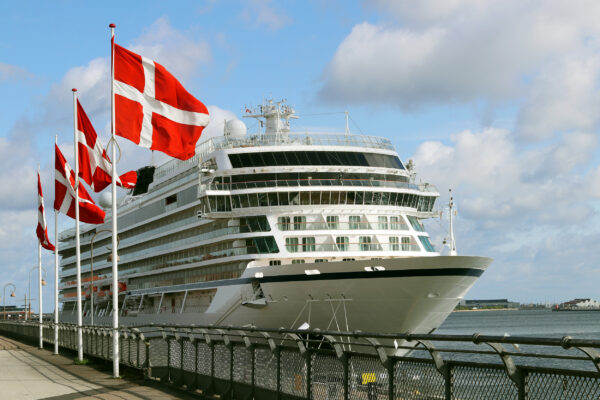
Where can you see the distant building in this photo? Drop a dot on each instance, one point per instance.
(579, 304)
(12, 312)
(487, 304)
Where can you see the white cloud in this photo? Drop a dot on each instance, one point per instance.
(17, 175)
(9, 72)
(179, 53)
(262, 13)
(431, 52)
(427, 12)
(500, 184)
(563, 97)
(531, 208)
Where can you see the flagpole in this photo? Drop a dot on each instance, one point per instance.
(77, 241)
(115, 278)
(40, 286)
(55, 274)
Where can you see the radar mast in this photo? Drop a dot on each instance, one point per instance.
(274, 116)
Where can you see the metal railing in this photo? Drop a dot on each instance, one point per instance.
(243, 362)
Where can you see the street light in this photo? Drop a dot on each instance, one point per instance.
(29, 287)
(92, 271)
(12, 294)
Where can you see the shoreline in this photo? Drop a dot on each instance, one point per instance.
(488, 309)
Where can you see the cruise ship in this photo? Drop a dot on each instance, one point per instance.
(273, 229)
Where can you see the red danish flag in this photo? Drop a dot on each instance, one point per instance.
(64, 194)
(42, 228)
(152, 109)
(95, 167)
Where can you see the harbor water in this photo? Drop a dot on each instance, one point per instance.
(532, 323)
(580, 324)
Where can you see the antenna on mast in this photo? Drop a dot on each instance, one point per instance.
(347, 127)
(452, 211)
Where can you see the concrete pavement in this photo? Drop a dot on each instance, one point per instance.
(27, 372)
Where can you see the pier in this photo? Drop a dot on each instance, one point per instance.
(27, 372)
(249, 363)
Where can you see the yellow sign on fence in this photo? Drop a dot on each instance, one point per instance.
(368, 377)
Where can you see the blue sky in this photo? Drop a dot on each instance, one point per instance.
(498, 100)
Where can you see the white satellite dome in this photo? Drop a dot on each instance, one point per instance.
(235, 127)
(105, 199)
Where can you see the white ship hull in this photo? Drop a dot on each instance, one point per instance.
(407, 295)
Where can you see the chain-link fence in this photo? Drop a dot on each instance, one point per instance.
(250, 363)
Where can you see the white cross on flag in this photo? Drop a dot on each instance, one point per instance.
(64, 193)
(94, 165)
(42, 228)
(152, 109)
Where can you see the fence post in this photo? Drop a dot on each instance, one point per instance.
(391, 378)
(308, 373)
(522, 385)
(448, 381)
(148, 373)
(514, 373)
(168, 378)
(181, 344)
(278, 355)
(195, 364)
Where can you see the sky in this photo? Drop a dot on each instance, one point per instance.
(497, 100)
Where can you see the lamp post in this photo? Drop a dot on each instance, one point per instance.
(92, 271)
(12, 294)
(29, 284)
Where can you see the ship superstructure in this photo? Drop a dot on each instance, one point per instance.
(274, 229)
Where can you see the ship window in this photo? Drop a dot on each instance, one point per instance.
(358, 197)
(365, 243)
(299, 223)
(265, 244)
(280, 158)
(171, 199)
(332, 221)
(269, 158)
(394, 223)
(275, 262)
(224, 203)
(416, 224)
(426, 243)
(347, 158)
(294, 198)
(303, 158)
(273, 201)
(253, 197)
(244, 159)
(308, 244)
(354, 222)
(256, 160)
(394, 243)
(291, 244)
(257, 223)
(321, 260)
(298, 261)
(342, 243)
(291, 158)
(383, 222)
(284, 223)
(406, 243)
